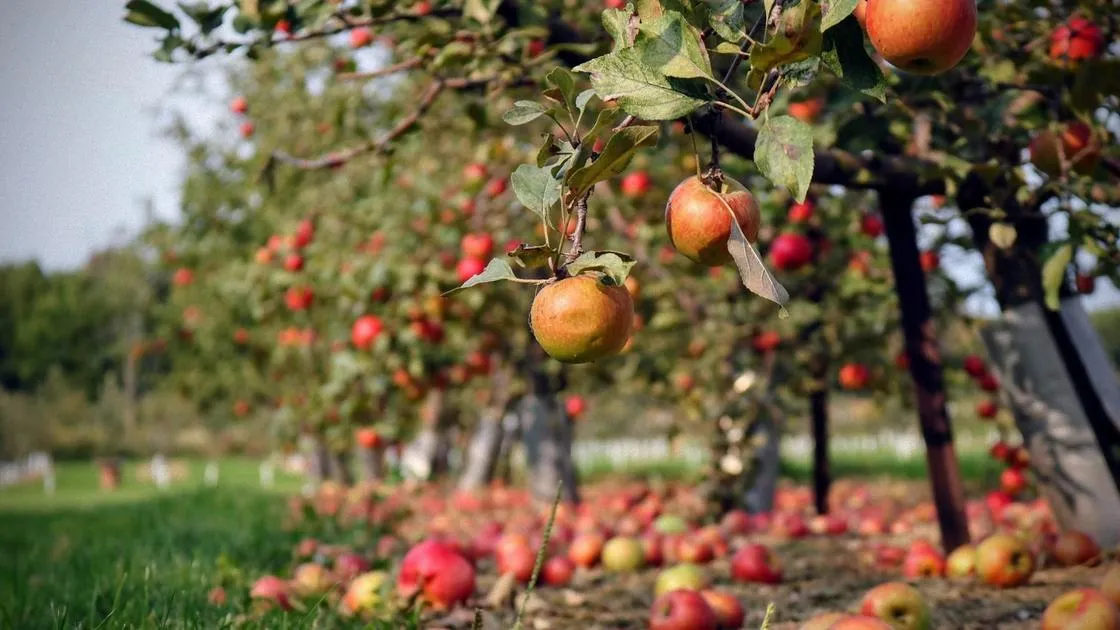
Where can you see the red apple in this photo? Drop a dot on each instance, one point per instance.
(474, 174)
(442, 576)
(923, 561)
(557, 571)
(871, 225)
(349, 565)
(975, 366)
(365, 331)
(1076, 40)
(1085, 283)
(898, 604)
(495, 187)
(293, 262)
(736, 522)
(854, 376)
(790, 251)
(299, 298)
(861, 622)
(694, 551)
(516, 559)
(273, 591)
(247, 128)
(766, 341)
(586, 549)
(756, 563)
(801, 212)
(469, 268)
(808, 110)
(182, 277)
(1075, 141)
(360, 38)
(682, 610)
(575, 406)
(929, 260)
(729, 611)
(1003, 560)
(1081, 609)
(1012, 481)
(636, 184)
(1073, 547)
(987, 408)
(479, 245)
(921, 36)
(305, 232)
(239, 105)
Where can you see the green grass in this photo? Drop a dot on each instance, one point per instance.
(146, 564)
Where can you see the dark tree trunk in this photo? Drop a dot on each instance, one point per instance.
(371, 462)
(1055, 377)
(822, 475)
(924, 353)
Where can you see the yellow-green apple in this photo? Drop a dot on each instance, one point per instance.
(623, 554)
(365, 593)
(680, 576)
(1003, 560)
(1081, 609)
(961, 562)
(582, 318)
(898, 604)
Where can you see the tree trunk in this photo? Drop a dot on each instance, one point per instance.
(924, 353)
(547, 435)
(318, 462)
(340, 468)
(766, 433)
(486, 443)
(1060, 386)
(426, 457)
(371, 463)
(822, 475)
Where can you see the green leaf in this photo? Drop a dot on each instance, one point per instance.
(614, 159)
(784, 154)
(728, 20)
(1002, 235)
(614, 265)
(206, 18)
(535, 188)
(795, 37)
(582, 99)
(144, 13)
(834, 12)
(605, 120)
(546, 151)
(563, 80)
(649, 10)
(616, 22)
(752, 271)
(673, 47)
(524, 112)
(482, 11)
(640, 91)
(531, 255)
(496, 270)
(845, 55)
(1054, 274)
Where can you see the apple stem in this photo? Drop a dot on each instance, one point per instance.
(581, 223)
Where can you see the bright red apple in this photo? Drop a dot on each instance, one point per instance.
(636, 184)
(365, 331)
(790, 251)
(756, 563)
(682, 610)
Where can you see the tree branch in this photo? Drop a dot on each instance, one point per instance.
(407, 64)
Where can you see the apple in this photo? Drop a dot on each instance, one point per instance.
(586, 549)
(557, 571)
(736, 522)
(582, 318)
(682, 610)
(921, 36)
(961, 562)
(698, 220)
(469, 267)
(365, 331)
(824, 621)
(311, 579)
(1081, 609)
(623, 554)
(247, 129)
(575, 406)
(871, 225)
(273, 591)
(975, 366)
(349, 565)
(651, 549)
(360, 38)
(299, 298)
(729, 611)
(239, 105)
(898, 604)
(1075, 141)
(929, 260)
(1012, 481)
(534, 48)
(801, 212)
(923, 561)
(636, 184)
(861, 622)
(439, 573)
(987, 409)
(790, 251)
(474, 174)
(1019, 458)
(680, 576)
(1077, 39)
(1003, 560)
(670, 524)
(182, 277)
(988, 382)
(756, 563)
(517, 559)
(364, 595)
(614, 4)
(808, 110)
(495, 187)
(1085, 283)
(854, 376)
(480, 245)
(1073, 547)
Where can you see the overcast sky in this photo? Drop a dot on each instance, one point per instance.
(79, 148)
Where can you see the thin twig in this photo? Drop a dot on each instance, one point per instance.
(581, 224)
(407, 64)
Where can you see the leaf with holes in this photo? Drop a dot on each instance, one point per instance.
(673, 47)
(834, 12)
(614, 159)
(784, 154)
(535, 188)
(614, 265)
(1054, 274)
(641, 91)
(752, 271)
(496, 271)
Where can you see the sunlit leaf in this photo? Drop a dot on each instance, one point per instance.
(496, 270)
(1054, 274)
(615, 265)
(784, 154)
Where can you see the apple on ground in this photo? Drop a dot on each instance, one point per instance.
(680, 576)
(1081, 609)
(756, 563)
(682, 609)
(585, 549)
(1003, 560)
(898, 604)
(438, 572)
(823, 621)
(623, 554)
(861, 622)
(1073, 547)
(364, 595)
(557, 571)
(272, 591)
(729, 611)
(961, 562)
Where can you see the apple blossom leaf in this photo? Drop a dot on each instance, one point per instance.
(1002, 235)
(147, 14)
(524, 112)
(616, 22)
(535, 188)
(641, 91)
(752, 270)
(784, 154)
(834, 12)
(530, 256)
(614, 265)
(614, 159)
(845, 55)
(496, 270)
(1054, 274)
(673, 46)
